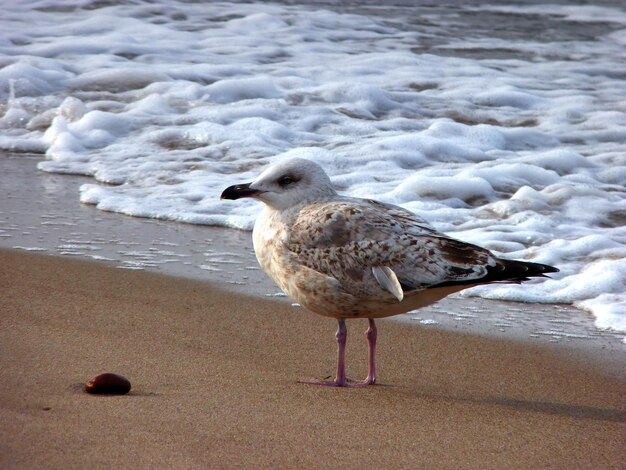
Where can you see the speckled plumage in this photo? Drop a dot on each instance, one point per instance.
(347, 257)
(321, 253)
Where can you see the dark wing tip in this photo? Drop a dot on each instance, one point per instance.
(550, 269)
(512, 271)
(521, 271)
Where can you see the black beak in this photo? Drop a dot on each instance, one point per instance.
(238, 191)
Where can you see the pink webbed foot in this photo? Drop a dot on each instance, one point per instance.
(334, 383)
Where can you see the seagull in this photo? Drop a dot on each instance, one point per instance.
(346, 257)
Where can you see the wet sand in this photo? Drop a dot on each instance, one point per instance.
(215, 374)
(41, 213)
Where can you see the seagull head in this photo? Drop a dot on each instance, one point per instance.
(285, 184)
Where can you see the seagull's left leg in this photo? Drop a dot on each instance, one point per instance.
(371, 335)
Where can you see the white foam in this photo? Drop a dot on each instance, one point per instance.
(516, 144)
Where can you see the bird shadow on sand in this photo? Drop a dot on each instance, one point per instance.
(536, 406)
(539, 406)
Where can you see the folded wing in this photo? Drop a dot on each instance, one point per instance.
(369, 246)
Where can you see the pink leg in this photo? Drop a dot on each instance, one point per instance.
(342, 338)
(341, 380)
(371, 335)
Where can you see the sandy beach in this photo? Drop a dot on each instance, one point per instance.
(122, 123)
(215, 374)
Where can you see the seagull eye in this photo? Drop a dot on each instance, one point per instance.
(285, 181)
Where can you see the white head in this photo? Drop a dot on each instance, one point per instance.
(285, 184)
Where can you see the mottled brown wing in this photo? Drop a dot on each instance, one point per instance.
(345, 239)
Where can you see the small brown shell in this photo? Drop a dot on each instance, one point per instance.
(108, 384)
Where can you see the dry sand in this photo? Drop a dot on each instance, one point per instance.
(214, 384)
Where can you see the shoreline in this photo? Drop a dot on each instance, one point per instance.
(214, 383)
(604, 349)
(42, 214)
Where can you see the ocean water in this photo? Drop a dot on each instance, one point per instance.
(504, 125)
